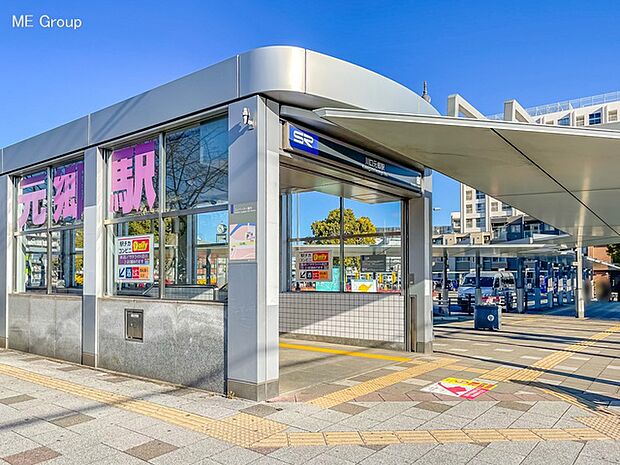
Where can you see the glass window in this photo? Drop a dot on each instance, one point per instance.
(468, 195)
(594, 118)
(565, 121)
(612, 116)
(64, 246)
(134, 179)
(469, 208)
(479, 207)
(32, 262)
(468, 223)
(194, 243)
(67, 273)
(196, 263)
(197, 166)
(580, 121)
(369, 235)
(480, 195)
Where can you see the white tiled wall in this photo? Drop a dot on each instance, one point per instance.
(371, 317)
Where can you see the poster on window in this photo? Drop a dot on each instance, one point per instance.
(134, 259)
(242, 242)
(314, 265)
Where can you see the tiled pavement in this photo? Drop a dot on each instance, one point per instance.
(557, 401)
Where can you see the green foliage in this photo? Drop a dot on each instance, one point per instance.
(330, 226)
(614, 252)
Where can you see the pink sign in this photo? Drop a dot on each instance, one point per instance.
(133, 176)
(68, 192)
(32, 201)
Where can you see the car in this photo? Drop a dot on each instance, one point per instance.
(493, 286)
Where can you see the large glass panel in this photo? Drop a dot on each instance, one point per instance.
(374, 265)
(68, 193)
(196, 264)
(67, 261)
(315, 214)
(32, 201)
(134, 179)
(148, 285)
(32, 262)
(197, 166)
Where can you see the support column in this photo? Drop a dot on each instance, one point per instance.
(520, 286)
(444, 290)
(6, 255)
(580, 302)
(94, 250)
(537, 296)
(549, 284)
(419, 321)
(253, 283)
(478, 290)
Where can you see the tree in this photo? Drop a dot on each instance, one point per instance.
(614, 252)
(330, 227)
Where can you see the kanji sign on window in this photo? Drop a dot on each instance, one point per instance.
(133, 171)
(32, 200)
(68, 192)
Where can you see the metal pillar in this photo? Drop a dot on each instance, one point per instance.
(520, 286)
(419, 321)
(445, 300)
(478, 289)
(537, 296)
(549, 284)
(580, 302)
(254, 284)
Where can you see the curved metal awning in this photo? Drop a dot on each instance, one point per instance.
(566, 177)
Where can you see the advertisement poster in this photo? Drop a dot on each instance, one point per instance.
(363, 285)
(463, 388)
(242, 242)
(134, 259)
(314, 265)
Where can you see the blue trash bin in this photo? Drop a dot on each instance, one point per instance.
(487, 317)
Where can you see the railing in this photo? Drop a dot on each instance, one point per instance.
(566, 105)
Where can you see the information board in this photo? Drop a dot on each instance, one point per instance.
(134, 259)
(314, 265)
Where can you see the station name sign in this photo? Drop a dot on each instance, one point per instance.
(307, 143)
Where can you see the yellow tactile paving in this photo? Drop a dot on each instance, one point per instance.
(348, 394)
(343, 438)
(379, 438)
(239, 429)
(547, 363)
(326, 350)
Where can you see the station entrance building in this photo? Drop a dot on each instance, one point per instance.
(177, 234)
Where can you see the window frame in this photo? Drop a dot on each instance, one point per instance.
(48, 229)
(160, 213)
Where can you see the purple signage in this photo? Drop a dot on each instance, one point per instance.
(33, 193)
(68, 198)
(133, 176)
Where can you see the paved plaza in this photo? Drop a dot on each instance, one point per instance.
(553, 397)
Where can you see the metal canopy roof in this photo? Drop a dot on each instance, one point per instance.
(566, 177)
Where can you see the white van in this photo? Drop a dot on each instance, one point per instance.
(493, 284)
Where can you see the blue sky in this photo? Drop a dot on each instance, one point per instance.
(488, 51)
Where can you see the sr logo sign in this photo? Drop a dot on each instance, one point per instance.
(303, 140)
